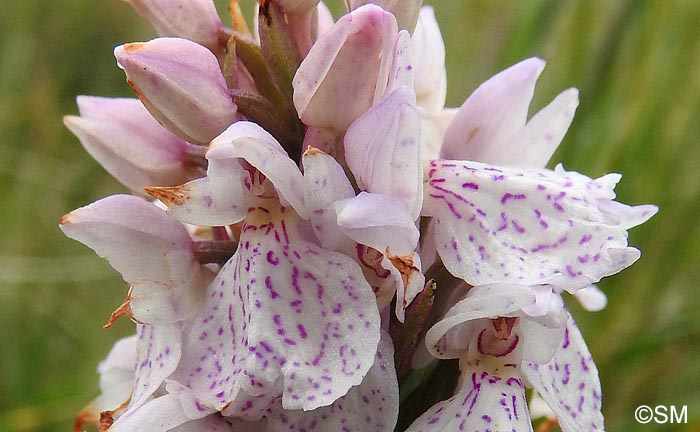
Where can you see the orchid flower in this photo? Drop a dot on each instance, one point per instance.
(309, 181)
(282, 310)
(131, 145)
(500, 357)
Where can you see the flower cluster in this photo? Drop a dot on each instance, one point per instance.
(323, 226)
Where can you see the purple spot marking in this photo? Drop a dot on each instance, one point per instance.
(508, 196)
(271, 258)
(268, 285)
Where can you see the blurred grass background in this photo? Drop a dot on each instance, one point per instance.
(636, 63)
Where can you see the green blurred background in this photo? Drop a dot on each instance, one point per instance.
(636, 63)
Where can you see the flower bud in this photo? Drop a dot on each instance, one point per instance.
(429, 59)
(405, 11)
(196, 20)
(349, 63)
(296, 6)
(123, 137)
(180, 83)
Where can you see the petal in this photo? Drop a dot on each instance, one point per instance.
(122, 357)
(181, 84)
(116, 376)
(371, 406)
(325, 19)
(297, 6)
(282, 308)
(250, 142)
(382, 149)
(450, 337)
(406, 12)
(527, 227)
(408, 278)
(591, 298)
(628, 216)
(378, 221)
(542, 336)
(325, 183)
(350, 62)
(401, 73)
(212, 423)
(196, 20)
(159, 348)
(488, 120)
(433, 127)
(570, 384)
(429, 60)
(137, 238)
(539, 408)
(155, 303)
(534, 145)
(158, 415)
(492, 398)
(193, 202)
(130, 144)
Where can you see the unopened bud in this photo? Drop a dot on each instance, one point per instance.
(196, 20)
(180, 83)
(349, 63)
(405, 11)
(123, 137)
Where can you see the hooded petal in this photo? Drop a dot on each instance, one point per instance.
(450, 337)
(137, 238)
(196, 20)
(491, 398)
(493, 114)
(351, 63)
(378, 221)
(246, 141)
(569, 383)
(282, 308)
(371, 406)
(325, 183)
(181, 84)
(382, 149)
(429, 60)
(527, 227)
(123, 137)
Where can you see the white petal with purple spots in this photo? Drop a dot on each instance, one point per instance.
(492, 398)
(570, 384)
(382, 149)
(158, 348)
(372, 406)
(282, 308)
(528, 227)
